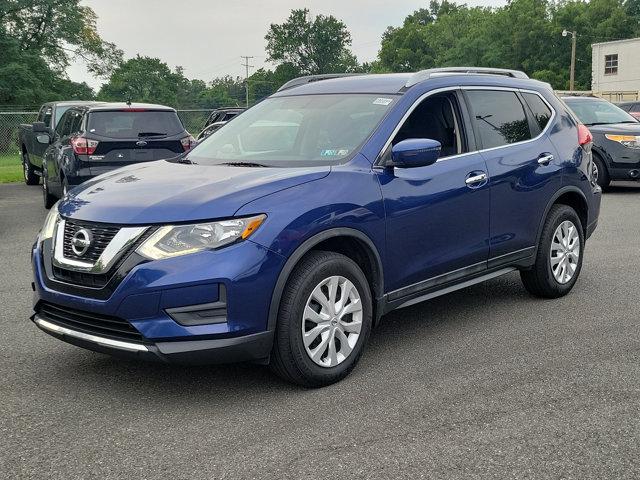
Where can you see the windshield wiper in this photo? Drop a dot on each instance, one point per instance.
(152, 134)
(244, 164)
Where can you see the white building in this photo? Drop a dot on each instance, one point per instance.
(616, 66)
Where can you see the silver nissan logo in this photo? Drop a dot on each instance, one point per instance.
(81, 241)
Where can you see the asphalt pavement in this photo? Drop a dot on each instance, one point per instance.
(487, 382)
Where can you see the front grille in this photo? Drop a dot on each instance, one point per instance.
(90, 280)
(102, 235)
(92, 323)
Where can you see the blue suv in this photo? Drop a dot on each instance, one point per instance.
(287, 234)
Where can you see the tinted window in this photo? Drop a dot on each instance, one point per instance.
(59, 112)
(64, 125)
(133, 124)
(75, 121)
(435, 118)
(499, 117)
(540, 110)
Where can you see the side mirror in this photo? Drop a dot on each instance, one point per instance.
(415, 152)
(40, 127)
(43, 138)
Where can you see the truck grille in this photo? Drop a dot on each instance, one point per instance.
(92, 323)
(102, 235)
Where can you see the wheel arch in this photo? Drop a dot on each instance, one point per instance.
(574, 198)
(347, 241)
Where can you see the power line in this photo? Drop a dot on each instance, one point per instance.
(246, 77)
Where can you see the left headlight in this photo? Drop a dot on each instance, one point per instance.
(174, 240)
(629, 141)
(49, 227)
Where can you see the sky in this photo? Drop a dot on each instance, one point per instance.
(208, 37)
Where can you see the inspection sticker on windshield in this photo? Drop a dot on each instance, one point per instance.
(382, 101)
(334, 153)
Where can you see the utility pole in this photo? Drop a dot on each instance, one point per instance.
(246, 77)
(572, 73)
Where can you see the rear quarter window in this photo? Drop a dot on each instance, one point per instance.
(541, 111)
(133, 124)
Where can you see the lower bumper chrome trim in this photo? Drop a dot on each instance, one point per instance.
(107, 342)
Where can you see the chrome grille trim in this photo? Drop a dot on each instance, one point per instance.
(119, 244)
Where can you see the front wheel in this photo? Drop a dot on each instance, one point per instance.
(600, 172)
(30, 177)
(559, 257)
(49, 199)
(324, 320)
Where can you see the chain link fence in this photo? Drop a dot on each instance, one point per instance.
(11, 119)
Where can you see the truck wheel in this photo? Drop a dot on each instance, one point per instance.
(559, 256)
(49, 199)
(30, 177)
(324, 320)
(600, 172)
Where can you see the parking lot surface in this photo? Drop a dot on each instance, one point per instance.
(487, 382)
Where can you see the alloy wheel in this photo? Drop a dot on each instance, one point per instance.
(594, 171)
(332, 321)
(565, 252)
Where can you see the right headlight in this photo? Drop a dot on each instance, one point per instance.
(49, 227)
(175, 240)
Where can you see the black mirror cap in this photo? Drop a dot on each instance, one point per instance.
(415, 152)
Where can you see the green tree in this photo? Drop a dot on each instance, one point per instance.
(59, 31)
(143, 79)
(26, 78)
(311, 45)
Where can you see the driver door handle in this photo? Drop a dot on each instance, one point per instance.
(470, 181)
(545, 159)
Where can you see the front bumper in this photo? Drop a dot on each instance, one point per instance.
(154, 298)
(255, 347)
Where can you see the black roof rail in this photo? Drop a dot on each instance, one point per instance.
(296, 82)
(441, 72)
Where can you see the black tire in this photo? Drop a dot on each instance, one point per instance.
(539, 280)
(289, 358)
(30, 177)
(603, 179)
(49, 199)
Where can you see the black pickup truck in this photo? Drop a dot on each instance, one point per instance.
(34, 138)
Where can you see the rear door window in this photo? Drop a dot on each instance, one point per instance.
(541, 111)
(499, 117)
(133, 124)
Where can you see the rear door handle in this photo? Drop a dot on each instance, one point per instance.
(545, 159)
(475, 179)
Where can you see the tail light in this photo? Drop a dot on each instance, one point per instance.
(584, 136)
(188, 143)
(83, 146)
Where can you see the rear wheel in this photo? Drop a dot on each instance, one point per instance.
(324, 320)
(559, 256)
(600, 172)
(30, 177)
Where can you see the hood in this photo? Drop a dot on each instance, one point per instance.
(167, 192)
(621, 128)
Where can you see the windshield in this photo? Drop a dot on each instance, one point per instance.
(134, 124)
(295, 131)
(598, 112)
